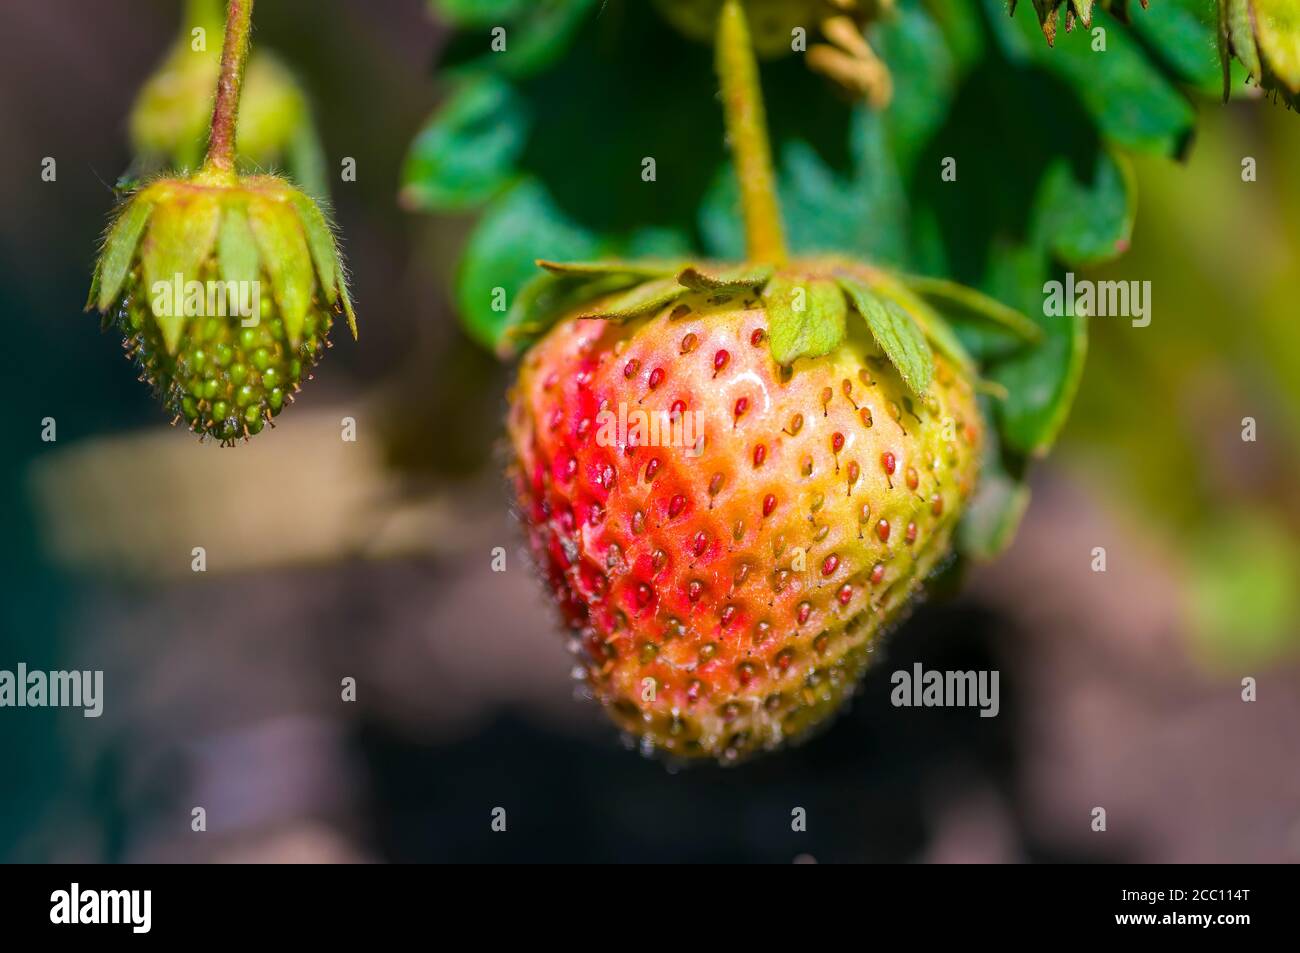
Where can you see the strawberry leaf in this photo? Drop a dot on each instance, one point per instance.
(468, 150)
(1041, 385)
(535, 33)
(805, 317)
(502, 254)
(896, 332)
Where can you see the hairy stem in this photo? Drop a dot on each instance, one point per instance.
(225, 112)
(742, 103)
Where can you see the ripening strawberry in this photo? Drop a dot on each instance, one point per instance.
(223, 286)
(730, 534)
(736, 478)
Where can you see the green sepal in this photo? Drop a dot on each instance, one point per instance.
(286, 259)
(897, 333)
(320, 240)
(642, 300)
(237, 256)
(548, 297)
(1241, 34)
(948, 297)
(806, 317)
(598, 269)
(119, 252)
(736, 278)
(345, 297)
(181, 234)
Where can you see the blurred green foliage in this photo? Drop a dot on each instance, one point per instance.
(1159, 420)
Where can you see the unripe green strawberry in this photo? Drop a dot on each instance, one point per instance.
(727, 593)
(224, 243)
(1264, 35)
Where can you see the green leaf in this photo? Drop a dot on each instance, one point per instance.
(912, 45)
(1087, 224)
(1182, 34)
(119, 249)
(180, 237)
(523, 225)
(467, 151)
(286, 259)
(1041, 384)
(640, 301)
(738, 278)
(896, 332)
(535, 34)
(478, 12)
(951, 298)
(805, 316)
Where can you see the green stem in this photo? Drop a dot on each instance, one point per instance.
(225, 112)
(742, 103)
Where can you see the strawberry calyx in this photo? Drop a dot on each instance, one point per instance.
(807, 302)
(1076, 11)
